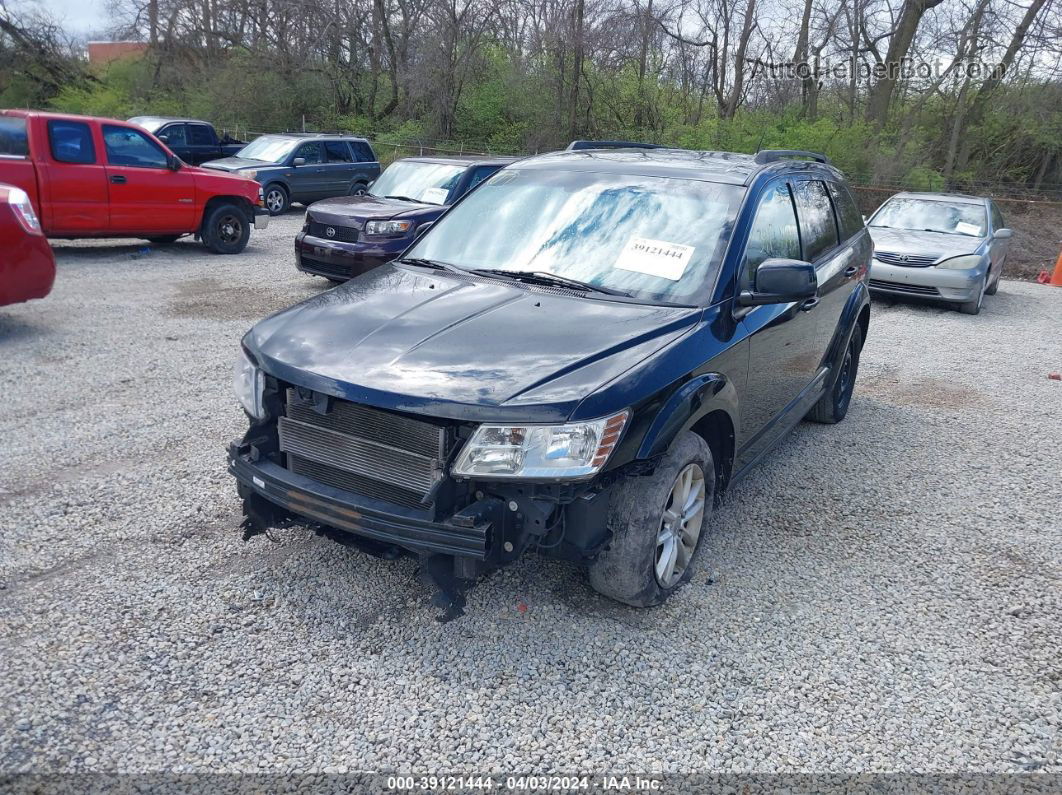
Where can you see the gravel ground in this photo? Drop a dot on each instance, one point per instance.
(882, 595)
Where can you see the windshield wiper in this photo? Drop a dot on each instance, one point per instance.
(403, 199)
(551, 280)
(434, 264)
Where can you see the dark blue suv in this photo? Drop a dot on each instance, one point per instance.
(304, 167)
(578, 359)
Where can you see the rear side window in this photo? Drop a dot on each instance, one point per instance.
(818, 229)
(363, 152)
(198, 135)
(849, 218)
(13, 137)
(71, 142)
(129, 147)
(774, 231)
(337, 151)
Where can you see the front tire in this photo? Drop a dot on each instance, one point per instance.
(994, 286)
(974, 307)
(226, 229)
(832, 407)
(657, 523)
(276, 199)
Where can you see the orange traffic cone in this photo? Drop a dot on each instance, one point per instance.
(1056, 277)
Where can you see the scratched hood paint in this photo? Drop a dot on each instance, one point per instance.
(446, 346)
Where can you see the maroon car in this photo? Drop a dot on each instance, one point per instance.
(349, 235)
(27, 267)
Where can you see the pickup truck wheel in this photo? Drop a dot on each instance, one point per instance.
(226, 229)
(832, 407)
(359, 189)
(276, 199)
(657, 523)
(163, 240)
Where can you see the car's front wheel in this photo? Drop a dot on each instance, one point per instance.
(993, 286)
(974, 307)
(657, 523)
(226, 229)
(275, 199)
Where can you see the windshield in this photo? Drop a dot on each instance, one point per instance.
(147, 122)
(928, 215)
(268, 149)
(657, 239)
(423, 182)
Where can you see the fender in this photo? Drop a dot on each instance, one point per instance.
(693, 400)
(859, 298)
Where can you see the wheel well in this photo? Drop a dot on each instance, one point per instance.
(864, 322)
(718, 432)
(239, 201)
(277, 184)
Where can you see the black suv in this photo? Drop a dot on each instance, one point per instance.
(578, 359)
(304, 167)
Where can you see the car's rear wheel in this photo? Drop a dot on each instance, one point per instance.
(226, 229)
(832, 407)
(276, 199)
(657, 523)
(974, 307)
(359, 189)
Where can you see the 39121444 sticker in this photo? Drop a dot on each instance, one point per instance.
(655, 258)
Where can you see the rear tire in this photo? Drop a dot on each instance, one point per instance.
(276, 199)
(359, 189)
(832, 407)
(655, 542)
(164, 240)
(226, 229)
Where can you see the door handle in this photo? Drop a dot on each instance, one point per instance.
(810, 304)
(851, 270)
(118, 179)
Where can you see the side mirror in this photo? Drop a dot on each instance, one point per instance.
(781, 281)
(299, 161)
(173, 163)
(1003, 234)
(422, 229)
(165, 138)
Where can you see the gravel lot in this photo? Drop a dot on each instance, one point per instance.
(882, 595)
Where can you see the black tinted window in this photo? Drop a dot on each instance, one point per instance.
(311, 153)
(174, 135)
(13, 136)
(199, 135)
(774, 231)
(848, 216)
(363, 152)
(818, 230)
(71, 142)
(479, 174)
(337, 151)
(129, 147)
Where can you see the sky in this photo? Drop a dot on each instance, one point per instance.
(78, 17)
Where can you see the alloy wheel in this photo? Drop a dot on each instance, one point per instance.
(680, 526)
(274, 201)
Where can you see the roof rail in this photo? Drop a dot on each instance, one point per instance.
(577, 145)
(774, 155)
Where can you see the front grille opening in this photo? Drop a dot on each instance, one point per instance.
(365, 450)
(910, 260)
(327, 268)
(347, 234)
(912, 289)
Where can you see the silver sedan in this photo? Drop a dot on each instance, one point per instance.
(945, 246)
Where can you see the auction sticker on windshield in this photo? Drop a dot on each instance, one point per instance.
(655, 258)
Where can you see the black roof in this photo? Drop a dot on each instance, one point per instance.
(141, 120)
(727, 167)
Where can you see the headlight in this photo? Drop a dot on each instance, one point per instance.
(248, 382)
(572, 451)
(388, 227)
(964, 262)
(250, 173)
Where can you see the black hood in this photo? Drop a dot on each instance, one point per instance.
(465, 348)
(355, 210)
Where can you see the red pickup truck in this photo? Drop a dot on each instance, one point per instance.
(89, 177)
